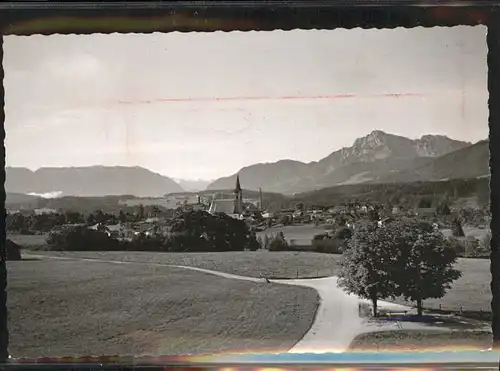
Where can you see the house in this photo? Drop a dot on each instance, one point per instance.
(384, 221)
(120, 231)
(45, 210)
(337, 209)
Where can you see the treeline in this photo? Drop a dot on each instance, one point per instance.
(193, 231)
(402, 194)
(32, 223)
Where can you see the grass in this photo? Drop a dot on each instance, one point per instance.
(29, 241)
(245, 263)
(471, 291)
(301, 234)
(66, 307)
(404, 340)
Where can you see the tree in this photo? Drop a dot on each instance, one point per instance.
(201, 231)
(278, 243)
(443, 208)
(122, 217)
(286, 220)
(424, 203)
(373, 215)
(266, 241)
(91, 219)
(368, 262)
(409, 258)
(456, 227)
(74, 217)
(429, 259)
(140, 214)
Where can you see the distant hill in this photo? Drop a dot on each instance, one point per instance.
(373, 158)
(92, 181)
(193, 185)
(407, 194)
(21, 201)
(468, 162)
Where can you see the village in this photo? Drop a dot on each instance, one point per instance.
(304, 228)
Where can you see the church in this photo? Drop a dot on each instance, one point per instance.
(230, 206)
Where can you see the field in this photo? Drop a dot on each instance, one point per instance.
(244, 263)
(420, 340)
(301, 234)
(66, 307)
(28, 241)
(471, 291)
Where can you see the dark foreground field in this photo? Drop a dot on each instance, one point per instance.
(65, 307)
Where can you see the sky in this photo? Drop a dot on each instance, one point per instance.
(204, 105)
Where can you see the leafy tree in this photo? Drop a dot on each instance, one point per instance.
(443, 208)
(91, 219)
(74, 217)
(122, 217)
(140, 214)
(260, 241)
(286, 220)
(200, 231)
(425, 203)
(368, 262)
(82, 239)
(267, 240)
(278, 243)
(456, 227)
(100, 217)
(373, 215)
(428, 260)
(18, 222)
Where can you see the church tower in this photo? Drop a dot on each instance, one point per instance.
(238, 197)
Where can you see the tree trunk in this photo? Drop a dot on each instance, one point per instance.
(374, 306)
(493, 41)
(419, 307)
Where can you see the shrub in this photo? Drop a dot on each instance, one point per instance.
(327, 245)
(82, 239)
(457, 244)
(278, 243)
(13, 250)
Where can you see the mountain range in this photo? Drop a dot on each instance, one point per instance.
(376, 158)
(89, 181)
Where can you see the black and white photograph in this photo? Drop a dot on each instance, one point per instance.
(236, 192)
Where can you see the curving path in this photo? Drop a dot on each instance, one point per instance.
(337, 320)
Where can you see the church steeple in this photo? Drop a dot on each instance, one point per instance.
(238, 187)
(238, 197)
